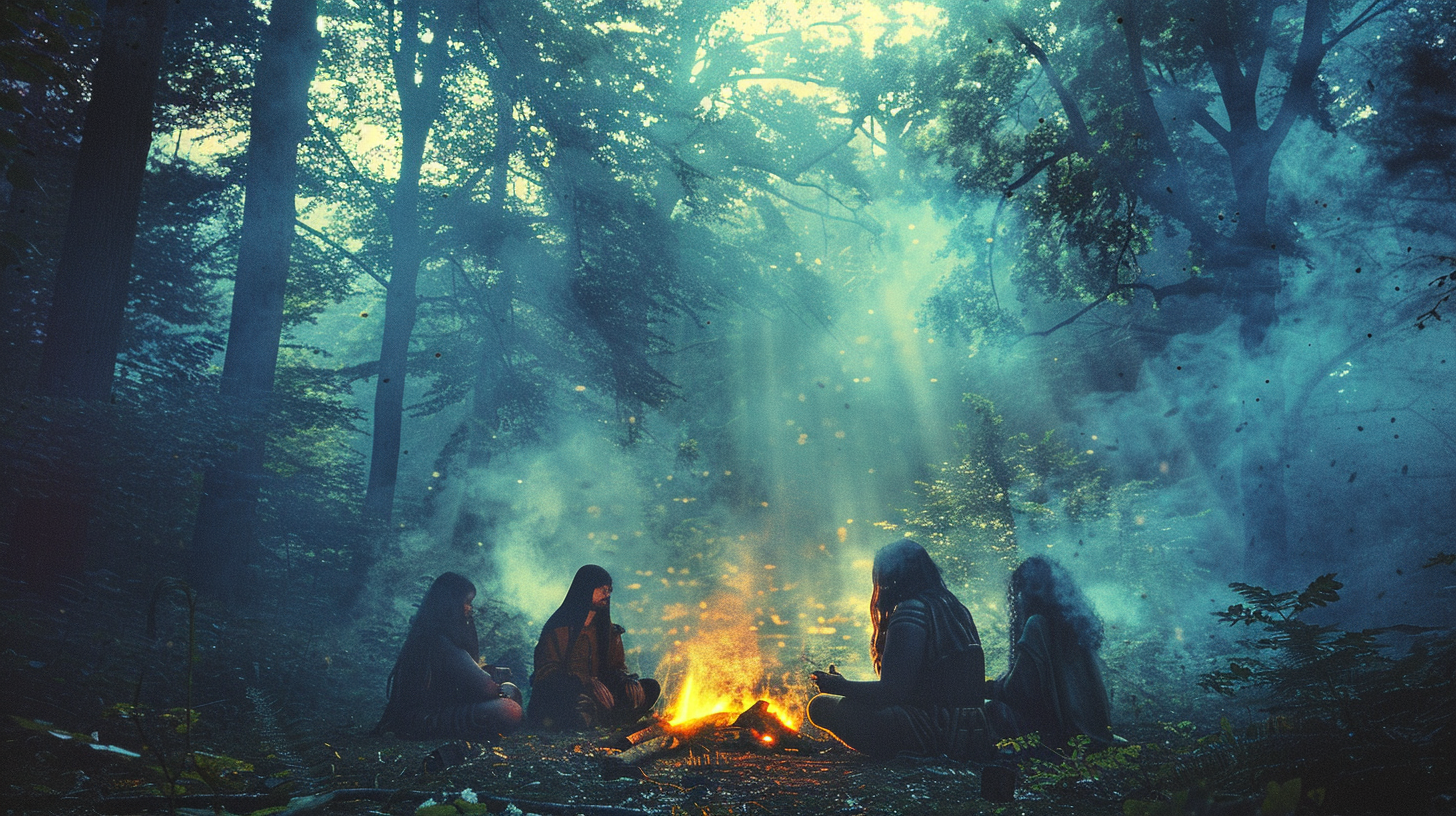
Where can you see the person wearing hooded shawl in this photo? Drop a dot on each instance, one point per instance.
(581, 677)
(438, 688)
(1053, 685)
(927, 654)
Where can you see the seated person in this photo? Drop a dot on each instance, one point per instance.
(927, 654)
(438, 689)
(581, 677)
(1054, 683)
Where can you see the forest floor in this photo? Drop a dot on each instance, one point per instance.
(517, 774)
(93, 719)
(96, 690)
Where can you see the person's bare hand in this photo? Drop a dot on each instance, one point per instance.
(830, 682)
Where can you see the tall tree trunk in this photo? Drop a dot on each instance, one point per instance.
(224, 534)
(498, 301)
(419, 105)
(83, 331)
(1254, 282)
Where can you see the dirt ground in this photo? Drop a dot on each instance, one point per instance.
(728, 774)
(718, 776)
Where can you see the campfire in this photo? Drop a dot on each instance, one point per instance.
(755, 728)
(694, 702)
(720, 693)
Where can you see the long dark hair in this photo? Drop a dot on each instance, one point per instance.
(578, 601)
(1040, 586)
(441, 613)
(902, 570)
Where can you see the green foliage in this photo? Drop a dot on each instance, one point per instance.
(1281, 799)
(1324, 679)
(1049, 108)
(967, 309)
(1315, 670)
(41, 57)
(1076, 762)
(965, 513)
(969, 512)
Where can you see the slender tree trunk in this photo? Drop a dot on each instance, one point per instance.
(499, 301)
(475, 523)
(400, 309)
(224, 534)
(83, 330)
(419, 105)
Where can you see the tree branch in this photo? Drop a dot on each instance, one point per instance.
(1058, 155)
(779, 35)
(1081, 137)
(1152, 124)
(328, 135)
(833, 146)
(1192, 287)
(779, 76)
(1299, 93)
(1370, 12)
(806, 208)
(1205, 120)
(337, 247)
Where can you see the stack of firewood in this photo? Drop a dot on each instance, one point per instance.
(756, 729)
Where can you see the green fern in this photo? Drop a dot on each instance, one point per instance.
(1317, 674)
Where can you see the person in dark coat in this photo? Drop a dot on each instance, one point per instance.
(1053, 684)
(927, 655)
(438, 688)
(581, 678)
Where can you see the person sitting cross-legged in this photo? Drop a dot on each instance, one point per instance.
(1053, 685)
(581, 678)
(438, 689)
(931, 670)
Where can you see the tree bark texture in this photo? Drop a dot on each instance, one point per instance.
(419, 105)
(83, 330)
(225, 529)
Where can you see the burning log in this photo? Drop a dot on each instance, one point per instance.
(765, 725)
(648, 749)
(657, 729)
(712, 722)
(758, 726)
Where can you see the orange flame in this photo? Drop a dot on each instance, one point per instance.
(693, 703)
(721, 668)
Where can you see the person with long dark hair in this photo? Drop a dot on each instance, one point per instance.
(927, 656)
(438, 689)
(1053, 684)
(581, 677)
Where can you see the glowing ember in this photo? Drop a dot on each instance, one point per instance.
(768, 739)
